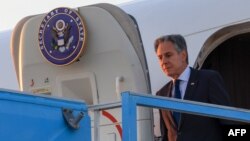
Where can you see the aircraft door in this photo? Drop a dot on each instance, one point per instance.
(112, 61)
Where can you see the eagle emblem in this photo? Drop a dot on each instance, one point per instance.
(62, 36)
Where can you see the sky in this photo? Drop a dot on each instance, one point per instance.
(12, 11)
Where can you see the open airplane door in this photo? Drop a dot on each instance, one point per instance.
(90, 53)
(227, 51)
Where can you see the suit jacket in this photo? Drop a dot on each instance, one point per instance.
(203, 86)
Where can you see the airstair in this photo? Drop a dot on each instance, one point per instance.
(29, 117)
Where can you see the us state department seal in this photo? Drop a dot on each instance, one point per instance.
(62, 36)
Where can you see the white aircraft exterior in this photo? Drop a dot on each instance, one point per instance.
(119, 54)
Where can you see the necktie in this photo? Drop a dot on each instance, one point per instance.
(177, 94)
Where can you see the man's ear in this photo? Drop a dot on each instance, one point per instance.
(183, 55)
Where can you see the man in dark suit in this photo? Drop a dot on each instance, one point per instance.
(189, 84)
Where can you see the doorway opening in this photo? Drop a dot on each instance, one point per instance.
(232, 60)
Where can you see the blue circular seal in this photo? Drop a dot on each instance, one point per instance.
(62, 36)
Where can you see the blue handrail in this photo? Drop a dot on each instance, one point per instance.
(131, 100)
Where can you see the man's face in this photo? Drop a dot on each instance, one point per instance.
(172, 62)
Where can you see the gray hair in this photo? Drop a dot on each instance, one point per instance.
(178, 41)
